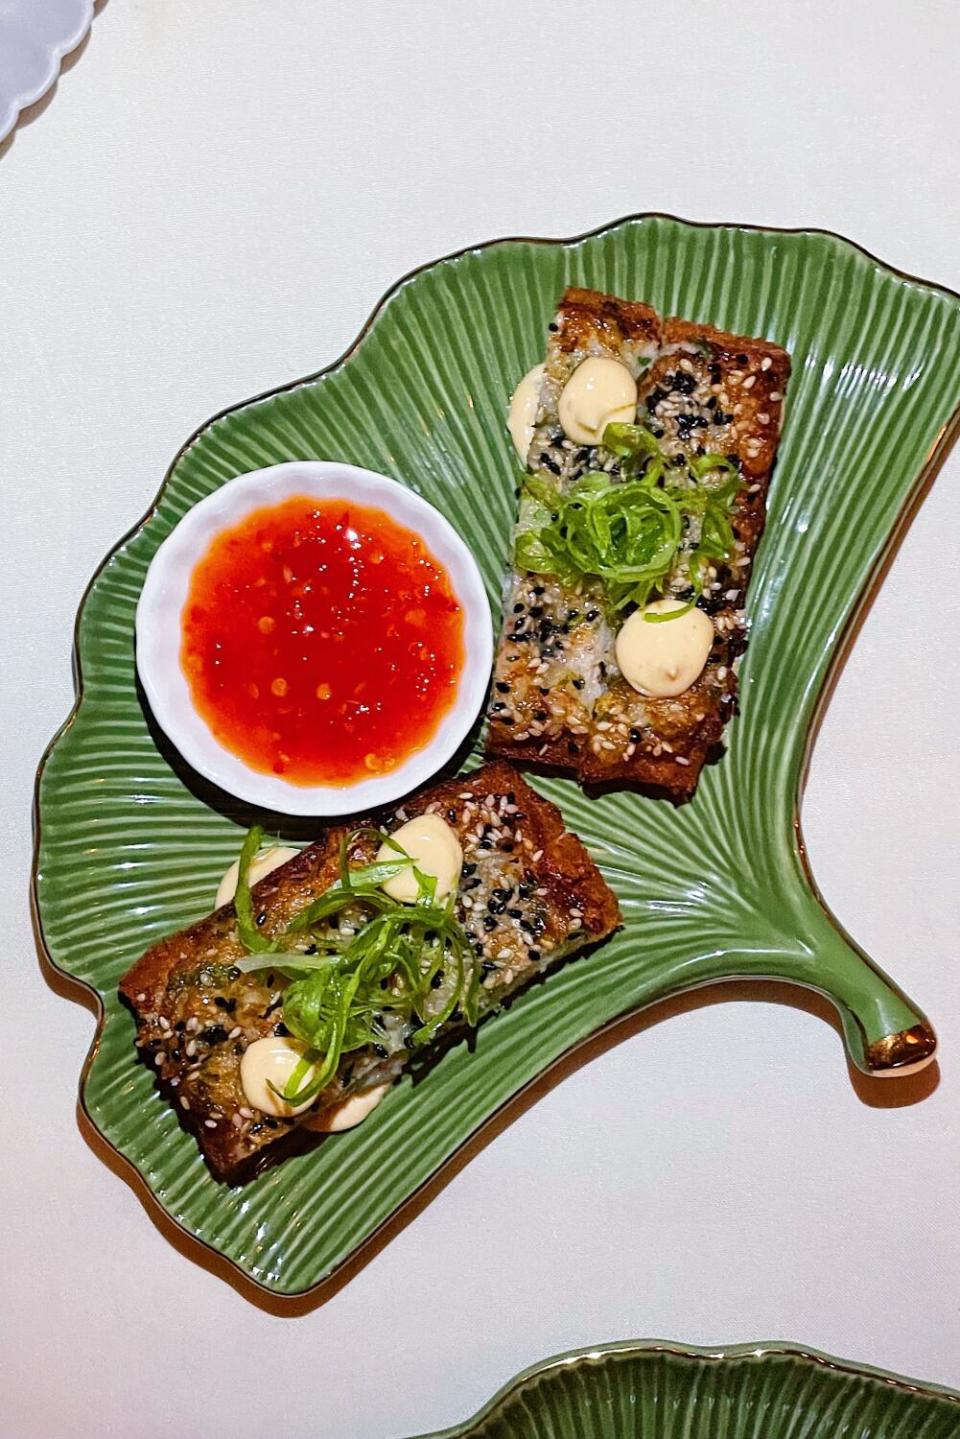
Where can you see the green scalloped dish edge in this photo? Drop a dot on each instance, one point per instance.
(716, 890)
(603, 1403)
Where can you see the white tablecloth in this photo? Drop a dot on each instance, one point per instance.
(211, 203)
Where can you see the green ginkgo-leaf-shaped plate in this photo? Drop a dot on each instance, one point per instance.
(649, 1389)
(130, 846)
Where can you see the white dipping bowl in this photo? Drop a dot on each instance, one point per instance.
(159, 634)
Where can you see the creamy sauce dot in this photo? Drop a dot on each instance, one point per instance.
(522, 414)
(349, 1113)
(264, 864)
(664, 659)
(600, 392)
(273, 1060)
(434, 847)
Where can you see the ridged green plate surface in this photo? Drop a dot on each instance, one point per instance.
(127, 851)
(655, 1390)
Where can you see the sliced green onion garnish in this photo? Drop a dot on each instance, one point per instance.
(250, 936)
(391, 959)
(631, 533)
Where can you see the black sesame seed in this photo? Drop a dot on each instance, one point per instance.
(213, 1034)
(592, 614)
(535, 955)
(228, 1004)
(280, 1028)
(635, 736)
(270, 1008)
(524, 889)
(538, 589)
(487, 967)
(579, 684)
(536, 611)
(500, 893)
(379, 1051)
(469, 868)
(436, 981)
(684, 383)
(572, 747)
(518, 609)
(551, 464)
(541, 716)
(489, 922)
(261, 916)
(505, 719)
(502, 687)
(553, 327)
(743, 360)
(515, 913)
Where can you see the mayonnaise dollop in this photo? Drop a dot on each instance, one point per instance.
(600, 392)
(434, 848)
(348, 1113)
(263, 865)
(522, 414)
(272, 1061)
(664, 659)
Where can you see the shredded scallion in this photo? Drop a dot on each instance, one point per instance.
(371, 959)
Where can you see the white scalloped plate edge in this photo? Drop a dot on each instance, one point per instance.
(13, 104)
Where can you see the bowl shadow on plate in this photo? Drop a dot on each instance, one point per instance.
(297, 828)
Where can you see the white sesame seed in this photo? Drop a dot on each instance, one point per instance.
(537, 854)
(141, 998)
(210, 1123)
(159, 1058)
(164, 1024)
(184, 1102)
(236, 1121)
(235, 1032)
(766, 362)
(749, 382)
(775, 395)
(191, 1048)
(247, 1113)
(193, 1024)
(680, 759)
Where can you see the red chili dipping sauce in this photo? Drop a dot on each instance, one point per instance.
(322, 641)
